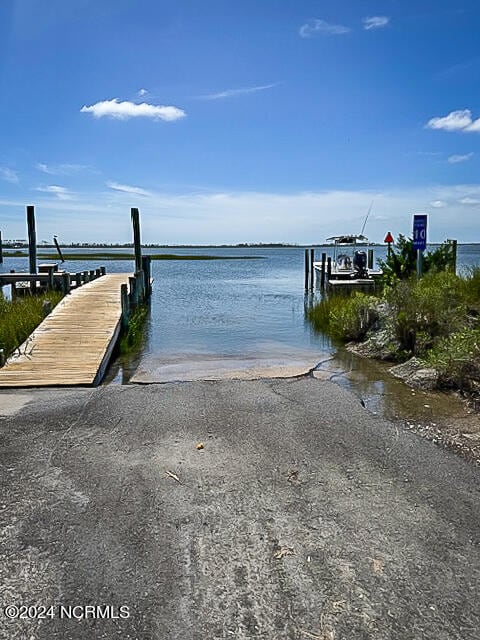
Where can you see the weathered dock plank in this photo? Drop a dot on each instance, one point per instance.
(73, 345)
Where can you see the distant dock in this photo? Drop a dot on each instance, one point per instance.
(74, 343)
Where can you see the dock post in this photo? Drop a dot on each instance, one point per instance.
(103, 271)
(1, 249)
(307, 270)
(370, 259)
(453, 244)
(32, 244)
(97, 273)
(147, 270)
(66, 284)
(125, 305)
(322, 275)
(312, 270)
(2, 358)
(86, 277)
(329, 268)
(78, 279)
(92, 274)
(133, 295)
(50, 277)
(136, 238)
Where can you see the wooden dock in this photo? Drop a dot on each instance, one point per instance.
(73, 345)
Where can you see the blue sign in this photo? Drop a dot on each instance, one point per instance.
(420, 231)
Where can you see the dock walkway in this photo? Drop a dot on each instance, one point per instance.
(73, 345)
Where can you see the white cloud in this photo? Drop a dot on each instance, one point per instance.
(230, 93)
(455, 159)
(60, 192)
(9, 175)
(60, 169)
(142, 92)
(460, 120)
(375, 22)
(438, 204)
(125, 188)
(125, 110)
(315, 27)
(469, 200)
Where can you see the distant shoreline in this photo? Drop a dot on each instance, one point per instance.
(272, 245)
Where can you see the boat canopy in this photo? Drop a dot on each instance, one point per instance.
(348, 239)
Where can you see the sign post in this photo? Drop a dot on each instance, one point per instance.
(420, 238)
(389, 240)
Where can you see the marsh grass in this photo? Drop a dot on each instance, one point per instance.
(343, 317)
(436, 318)
(129, 256)
(20, 317)
(134, 336)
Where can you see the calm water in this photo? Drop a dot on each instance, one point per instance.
(228, 307)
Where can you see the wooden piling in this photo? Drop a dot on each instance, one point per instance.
(307, 270)
(312, 270)
(32, 244)
(133, 293)
(66, 284)
(329, 268)
(147, 270)
(57, 246)
(1, 249)
(370, 258)
(322, 273)
(103, 271)
(125, 305)
(136, 238)
(50, 272)
(86, 277)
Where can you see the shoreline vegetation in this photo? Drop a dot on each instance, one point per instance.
(127, 256)
(428, 327)
(20, 317)
(8, 246)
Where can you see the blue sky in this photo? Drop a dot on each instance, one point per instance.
(279, 120)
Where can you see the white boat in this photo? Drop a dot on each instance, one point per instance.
(351, 263)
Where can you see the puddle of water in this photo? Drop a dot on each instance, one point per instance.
(429, 412)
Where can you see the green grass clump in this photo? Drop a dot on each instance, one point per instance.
(345, 318)
(426, 309)
(133, 337)
(457, 358)
(20, 317)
